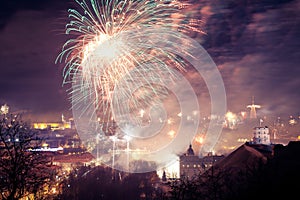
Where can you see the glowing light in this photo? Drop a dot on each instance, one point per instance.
(171, 133)
(199, 139)
(292, 121)
(170, 121)
(195, 112)
(113, 138)
(53, 190)
(242, 140)
(230, 116)
(47, 149)
(231, 120)
(243, 114)
(4, 109)
(172, 170)
(45, 145)
(52, 125)
(253, 109)
(142, 112)
(127, 138)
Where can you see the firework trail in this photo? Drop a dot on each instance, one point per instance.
(126, 57)
(112, 40)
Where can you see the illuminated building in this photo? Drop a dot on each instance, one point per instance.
(253, 109)
(292, 121)
(53, 125)
(189, 164)
(261, 135)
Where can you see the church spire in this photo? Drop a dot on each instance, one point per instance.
(190, 151)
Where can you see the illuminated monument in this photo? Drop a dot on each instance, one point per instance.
(62, 125)
(253, 109)
(261, 135)
(190, 164)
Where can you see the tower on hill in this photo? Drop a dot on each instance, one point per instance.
(253, 109)
(261, 135)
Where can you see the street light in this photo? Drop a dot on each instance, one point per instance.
(127, 138)
(98, 137)
(113, 138)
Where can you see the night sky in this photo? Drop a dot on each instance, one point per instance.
(255, 44)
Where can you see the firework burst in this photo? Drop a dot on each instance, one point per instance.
(113, 37)
(123, 62)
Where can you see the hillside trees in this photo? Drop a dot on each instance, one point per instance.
(23, 172)
(102, 182)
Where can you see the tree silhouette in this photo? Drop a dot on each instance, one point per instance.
(186, 189)
(100, 182)
(23, 172)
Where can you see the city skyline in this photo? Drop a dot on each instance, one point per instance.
(159, 99)
(255, 47)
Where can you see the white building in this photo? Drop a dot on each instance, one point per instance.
(261, 135)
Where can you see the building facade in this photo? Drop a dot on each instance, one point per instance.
(190, 164)
(261, 135)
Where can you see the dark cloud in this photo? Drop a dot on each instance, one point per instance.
(31, 36)
(10, 7)
(256, 46)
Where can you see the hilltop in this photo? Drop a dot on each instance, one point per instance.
(257, 174)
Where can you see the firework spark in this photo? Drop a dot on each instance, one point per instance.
(102, 53)
(126, 56)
